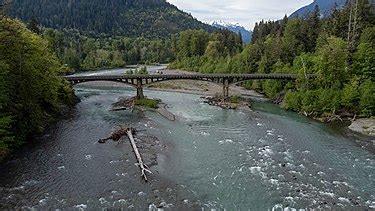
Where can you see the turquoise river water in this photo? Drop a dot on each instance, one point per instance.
(269, 159)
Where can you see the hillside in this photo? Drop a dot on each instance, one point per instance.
(326, 6)
(132, 18)
(246, 34)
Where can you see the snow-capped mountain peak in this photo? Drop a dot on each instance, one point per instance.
(234, 27)
(226, 24)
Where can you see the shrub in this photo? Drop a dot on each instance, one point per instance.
(309, 100)
(292, 101)
(272, 88)
(235, 99)
(329, 101)
(351, 96)
(367, 100)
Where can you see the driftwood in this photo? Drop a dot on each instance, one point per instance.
(140, 163)
(226, 103)
(124, 104)
(117, 135)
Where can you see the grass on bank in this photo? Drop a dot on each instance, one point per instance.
(235, 99)
(149, 103)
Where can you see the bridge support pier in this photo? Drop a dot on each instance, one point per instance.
(140, 94)
(226, 88)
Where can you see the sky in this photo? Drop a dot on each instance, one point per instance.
(244, 12)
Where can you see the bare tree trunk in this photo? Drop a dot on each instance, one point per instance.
(305, 72)
(354, 35)
(350, 22)
(140, 163)
(124, 131)
(353, 21)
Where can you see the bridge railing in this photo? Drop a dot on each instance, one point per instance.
(188, 76)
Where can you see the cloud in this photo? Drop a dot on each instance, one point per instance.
(245, 12)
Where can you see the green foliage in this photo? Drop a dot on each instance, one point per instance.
(264, 29)
(251, 56)
(129, 72)
(31, 91)
(332, 62)
(5, 118)
(71, 59)
(6, 137)
(292, 101)
(143, 70)
(368, 36)
(78, 52)
(33, 26)
(149, 103)
(367, 100)
(235, 99)
(140, 71)
(293, 39)
(272, 88)
(364, 57)
(351, 96)
(314, 102)
(329, 101)
(308, 45)
(131, 18)
(199, 51)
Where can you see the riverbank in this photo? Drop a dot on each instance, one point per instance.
(199, 87)
(64, 112)
(364, 126)
(208, 151)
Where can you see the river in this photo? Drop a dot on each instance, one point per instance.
(214, 159)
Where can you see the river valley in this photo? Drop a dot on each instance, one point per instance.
(210, 158)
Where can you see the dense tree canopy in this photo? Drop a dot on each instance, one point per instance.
(78, 52)
(130, 18)
(31, 93)
(196, 49)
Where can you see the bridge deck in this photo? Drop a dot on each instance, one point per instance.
(188, 76)
(139, 81)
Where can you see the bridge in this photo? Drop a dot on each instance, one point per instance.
(139, 81)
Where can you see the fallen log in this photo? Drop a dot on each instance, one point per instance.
(116, 135)
(140, 163)
(124, 131)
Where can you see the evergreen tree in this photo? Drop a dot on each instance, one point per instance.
(33, 25)
(153, 19)
(313, 29)
(312, 44)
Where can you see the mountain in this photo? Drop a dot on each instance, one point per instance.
(246, 34)
(131, 18)
(325, 6)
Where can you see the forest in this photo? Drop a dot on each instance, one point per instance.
(79, 52)
(153, 19)
(339, 48)
(31, 92)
